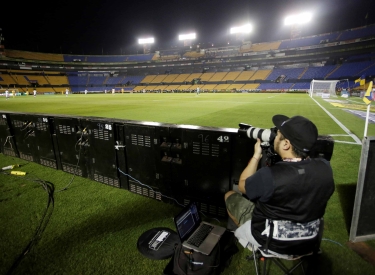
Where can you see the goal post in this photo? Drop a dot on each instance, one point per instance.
(323, 88)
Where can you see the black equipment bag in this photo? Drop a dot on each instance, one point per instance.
(188, 262)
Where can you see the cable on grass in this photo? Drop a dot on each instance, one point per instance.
(49, 188)
(333, 242)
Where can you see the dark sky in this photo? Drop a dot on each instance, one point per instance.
(113, 27)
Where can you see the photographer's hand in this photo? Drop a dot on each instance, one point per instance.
(258, 149)
(251, 167)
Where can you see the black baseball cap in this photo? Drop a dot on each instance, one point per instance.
(301, 132)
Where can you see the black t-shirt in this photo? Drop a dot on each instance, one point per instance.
(293, 191)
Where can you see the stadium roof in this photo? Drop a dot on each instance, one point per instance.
(113, 27)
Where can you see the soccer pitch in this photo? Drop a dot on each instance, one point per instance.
(210, 109)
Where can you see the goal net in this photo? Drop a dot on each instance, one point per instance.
(323, 88)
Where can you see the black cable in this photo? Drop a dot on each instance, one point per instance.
(76, 167)
(50, 189)
(161, 194)
(28, 133)
(8, 140)
(26, 126)
(149, 187)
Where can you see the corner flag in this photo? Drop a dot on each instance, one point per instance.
(367, 98)
(369, 95)
(360, 81)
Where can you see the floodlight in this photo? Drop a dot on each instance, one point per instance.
(242, 29)
(149, 40)
(298, 18)
(188, 36)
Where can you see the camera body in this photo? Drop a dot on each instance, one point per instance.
(323, 147)
(267, 138)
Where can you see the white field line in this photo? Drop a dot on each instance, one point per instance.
(353, 136)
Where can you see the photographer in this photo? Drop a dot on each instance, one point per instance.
(292, 194)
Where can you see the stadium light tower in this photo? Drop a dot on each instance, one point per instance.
(296, 21)
(146, 42)
(241, 31)
(187, 38)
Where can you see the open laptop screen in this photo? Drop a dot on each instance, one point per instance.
(187, 221)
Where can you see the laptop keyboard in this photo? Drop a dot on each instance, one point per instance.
(198, 237)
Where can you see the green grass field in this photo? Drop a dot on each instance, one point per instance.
(94, 228)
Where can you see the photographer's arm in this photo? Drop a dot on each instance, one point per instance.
(252, 166)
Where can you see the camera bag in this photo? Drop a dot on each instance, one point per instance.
(189, 262)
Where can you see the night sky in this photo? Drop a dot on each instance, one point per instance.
(113, 27)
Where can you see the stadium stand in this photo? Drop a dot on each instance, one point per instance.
(285, 74)
(235, 86)
(21, 79)
(170, 78)
(347, 54)
(185, 87)
(132, 79)
(173, 87)
(158, 78)
(113, 80)
(245, 75)
(318, 72)
(78, 80)
(260, 74)
(148, 79)
(217, 77)
(361, 32)
(181, 78)
(349, 69)
(250, 87)
(33, 55)
(231, 76)
(206, 87)
(193, 76)
(264, 47)
(57, 80)
(361, 57)
(193, 54)
(308, 41)
(370, 70)
(108, 58)
(275, 86)
(7, 80)
(96, 80)
(221, 87)
(206, 76)
(301, 86)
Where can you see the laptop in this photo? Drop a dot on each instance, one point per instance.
(194, 233)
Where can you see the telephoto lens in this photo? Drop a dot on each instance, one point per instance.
(265, 135)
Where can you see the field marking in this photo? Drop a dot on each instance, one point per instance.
(205, 101)
(275, 95)
(341, 141)
(353, 136)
